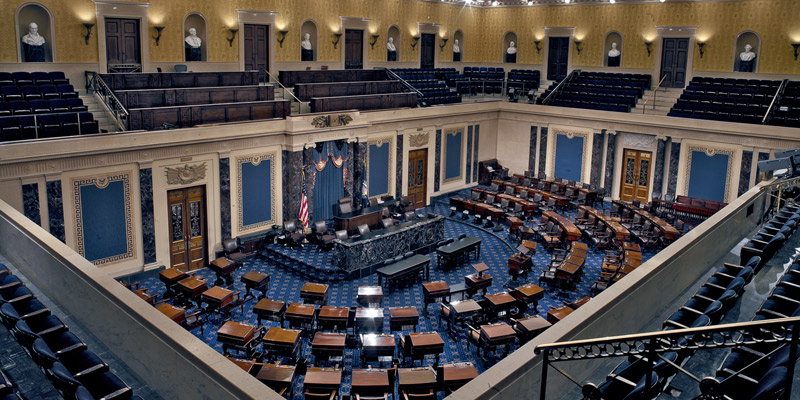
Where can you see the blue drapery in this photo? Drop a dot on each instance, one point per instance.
(330, 166)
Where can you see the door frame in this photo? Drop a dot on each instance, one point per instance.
(557, 31)
(355, 23)
(674, 32)
(257, 17)
(114, 9)
(638, 142)
(433, 29)
(204, 212)
(344, 46)
(427, 165)
(414, 139)
(650, 173)
(433, 48)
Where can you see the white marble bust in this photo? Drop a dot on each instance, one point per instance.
(306, 43)
(33, 38)
(512, 48)
(747, 54)
(456, 47)
(192, 40)
(390, 45)
(613, 52)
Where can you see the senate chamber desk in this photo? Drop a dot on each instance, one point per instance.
(368, 215)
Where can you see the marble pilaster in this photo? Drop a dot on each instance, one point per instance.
(744, 174)
(542, 150)
(55, 209)
(611, 147)
(658, 177)
(148, 218)
(674, 162)
(349, 189)
(30, 202)
(225, 196)
(308, 168)
(597, 159)
(469, 154)
(532, 149)
(398, 177)
(475, 153)
(437, 165)
(292, 164)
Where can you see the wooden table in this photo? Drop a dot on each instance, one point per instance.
(414, 265)
(496, 335)
(369, 319)
(327, 345)
(529, 327)
(400, 318)
(416, 379)
(457, 250)
(425, 343)
(177, 314)
(272, 310)
(171, 277)
(500, 303)
(314, 293)
(279, 378)
(528, 294)
(557, 314)
(224, 268)
(434, 291)
(370, 296)
(457, 375)
(370, 382)
(254, 280)
(327, 379)
(332, 318)
(191, 288)
(514, 223)
(375, 346)
(237, 336)
(217, 298)
(477, 281)
(282, 342)
(300, 315)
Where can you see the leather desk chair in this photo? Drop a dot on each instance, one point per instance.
(363, 229)
(293, 235)
(387, 222)
(323, 238)
(233, 250)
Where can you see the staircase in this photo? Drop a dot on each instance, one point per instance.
(665, 99)
(107, 124)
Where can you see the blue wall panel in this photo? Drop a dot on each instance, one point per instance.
(452, 157)
(256, 192)
(103, 212)
(569, 157)
(379, 169)
(707, 177)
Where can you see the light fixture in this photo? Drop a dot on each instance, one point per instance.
(374, 40)
(662, 0)
(578, 46)
(700, 45)
(233, 36)
(282, 38)
(88, 26)
(444, 42)
(648, 44)
(158, 29)
(537, 43)
(338, 37)
(612, 1)
(796, 46)
(494, 3)
(566, 1)
(414, 42)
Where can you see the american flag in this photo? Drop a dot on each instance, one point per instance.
(303, 203)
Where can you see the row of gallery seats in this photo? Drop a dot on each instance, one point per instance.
(25, 107)
(474, 80)
(599, 91)
(26, 127)
(787, 112)
(77, 372)
(22, 78)
(7, 391)
(707, 307)
(33, 92)
(735, 100)
(431, 82)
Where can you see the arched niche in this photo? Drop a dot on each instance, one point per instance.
(507, 39)
(196, 21)
(309, 27)
(753, 39)
(36, 13)
(459, 36)
(394, 33)
(611, 38)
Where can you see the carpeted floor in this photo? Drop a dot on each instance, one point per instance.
(285, 285)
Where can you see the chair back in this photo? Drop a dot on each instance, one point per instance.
(476, 196)
(509, 190)
(289, 226)
(345, 208)
(537, 198)
(387, 222)
(180, 68)
(385, 212)
(341, 235)
(504, 203)
(409, 215)
(320, 227)
(363, 229)
(230, 245)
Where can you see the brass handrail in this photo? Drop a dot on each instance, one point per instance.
(655, 91)
(404, 82)
(285, 90)
(558, 87)
(772, 103)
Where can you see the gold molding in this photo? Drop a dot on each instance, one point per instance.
(186, 174)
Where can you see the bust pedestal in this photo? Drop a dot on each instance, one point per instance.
(511, 58)
(456, 56)
(33, 53)
(193, 53)
(613, 61)
(746, 66)
(391, 55)
(306, 55)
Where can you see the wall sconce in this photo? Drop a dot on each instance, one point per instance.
(538, 47)
(414, 42)
(578, 46)
(648, 44)
(700, 45)
(282, 38)
(233, 36)
(796, 46)
(338, 37)
(374, 40)
(444, 43)
(88, 26)
(158, 29)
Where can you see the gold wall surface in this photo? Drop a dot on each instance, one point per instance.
(718, 25)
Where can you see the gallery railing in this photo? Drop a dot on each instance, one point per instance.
(95, 83)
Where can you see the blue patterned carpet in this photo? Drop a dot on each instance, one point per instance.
(285, 285)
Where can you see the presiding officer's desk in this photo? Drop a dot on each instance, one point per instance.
(371, 216)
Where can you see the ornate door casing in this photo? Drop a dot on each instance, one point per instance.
(418, 177)
(187, 223)
(635, 184)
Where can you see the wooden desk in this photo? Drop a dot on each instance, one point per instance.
(332, 318)
(500, 303)
(630, 246)
(282, 342)
(370, 296)
(462, 312)
(142, 293)
(425, 343)
(327, 379)
(557, 314)
(477, 282)
(300, 315)
(171, 277)
(217, 298)
(528, 294)
(568, 229)
(458, 374)
(518, 264)
(578, 303)
(177, 314)
(326, 345)
(191, 288)
(272, 310)
(496, 335)
(279, 378)
(416, 378)
(224, 268)
(528, 328)
(370, 382)
(400, 318)
(514, 223)
(314, 293)
(375, 346)
(370, 216)
(246, 365)
(450, 254)
(254, 280)
(236, 336)
(369, 319)
(434, 291)
(620, 232)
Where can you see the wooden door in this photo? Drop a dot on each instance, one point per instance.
(673, 61)
(122, 41)
(635, 175)
(256, 47)
(418, 177)
(427, 53)
(353, 49)
(557, 58)
(187, 216)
